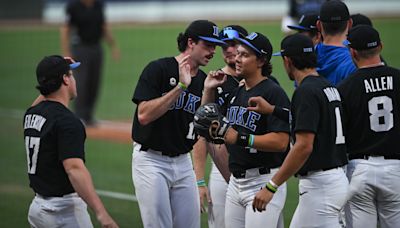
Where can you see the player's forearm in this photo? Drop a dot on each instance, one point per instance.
(295, 159)
(82, 182)
(151, 110)
(273, 142)
(64, 39)
(199, 155)
(208, 96)
(39, 99)
(108, 37)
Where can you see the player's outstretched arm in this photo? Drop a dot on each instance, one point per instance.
(82, 182)
(199, 155)
(295, 159)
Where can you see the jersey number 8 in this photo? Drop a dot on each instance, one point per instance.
(381, 118)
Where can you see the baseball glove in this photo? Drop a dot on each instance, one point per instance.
(210, 123)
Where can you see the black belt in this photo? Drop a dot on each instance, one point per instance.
(146, 149)
(313, 171)
(242, 173)
(366, 157)
(52, 196)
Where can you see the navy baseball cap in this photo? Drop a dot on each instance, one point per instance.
(231, 32)
(53, 67)
(258, 43)
(363, 37)
(296, 45)
(306, 23)
(334, 11)
(360, 19)
(205, 30)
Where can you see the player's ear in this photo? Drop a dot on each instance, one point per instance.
(190, 43)
(319, 26)
(66, 79)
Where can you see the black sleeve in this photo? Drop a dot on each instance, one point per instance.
(71, 138)
(148, 86)
(306, 111)
(281, 113)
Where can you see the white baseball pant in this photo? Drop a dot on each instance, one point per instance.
(321, 201)
(69, 211)
(374, 193)
(217, 187)
(239, 200)
(166, 189)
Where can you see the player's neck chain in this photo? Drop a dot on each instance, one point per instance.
(372, 65)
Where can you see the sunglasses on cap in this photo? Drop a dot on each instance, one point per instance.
(229, 34)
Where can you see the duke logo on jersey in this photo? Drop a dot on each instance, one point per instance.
(189, 105)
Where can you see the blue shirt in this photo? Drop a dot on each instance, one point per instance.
(334, 63)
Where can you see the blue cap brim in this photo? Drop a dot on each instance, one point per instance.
(74, 65)
(247, 43)
(299, 27)
(277, 54)
(212, 40)
(346, 43)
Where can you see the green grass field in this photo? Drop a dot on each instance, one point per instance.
(109, 163)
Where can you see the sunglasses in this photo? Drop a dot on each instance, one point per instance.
(229, 34)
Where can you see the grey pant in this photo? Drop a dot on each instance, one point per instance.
(88, 78)
(69, 211)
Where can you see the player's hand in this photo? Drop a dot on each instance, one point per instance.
(106, 221)
(214, 79)
(115, 53)
(184, 71)
(204, 195)
(262, 198)
(260, 105)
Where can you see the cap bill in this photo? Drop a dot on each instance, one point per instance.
(298, 27)
(247, 43)
(212, 40)
(277, 54)
(74, 65)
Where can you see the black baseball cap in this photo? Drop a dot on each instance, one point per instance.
(205, 30)
(306, 23)
(363, 37)
(259, 43)
(334, 11)
(53, 68)
(360, 19)
(296, 45)
(231, 32)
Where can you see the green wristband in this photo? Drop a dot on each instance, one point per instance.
(182, 86)
(270, 188)
(201, 183)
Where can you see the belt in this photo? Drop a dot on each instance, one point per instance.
(313, 171)
(56, 196)
(366, 157)
(239, 174)
(148, 149)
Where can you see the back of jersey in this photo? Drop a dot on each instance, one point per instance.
(371, 101)
(52, 133)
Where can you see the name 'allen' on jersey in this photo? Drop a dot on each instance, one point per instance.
(378, 84)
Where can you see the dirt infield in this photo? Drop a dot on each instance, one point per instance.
(114, 131)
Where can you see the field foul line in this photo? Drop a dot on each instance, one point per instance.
(116, 195)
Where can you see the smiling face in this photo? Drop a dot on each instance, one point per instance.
(247, 63)
(201, 52)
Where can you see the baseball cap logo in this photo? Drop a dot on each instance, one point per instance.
(302, 18)
(252, 36)
(310, 49)
(215, 32)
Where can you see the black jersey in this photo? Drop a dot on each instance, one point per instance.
(172, 133)
(226, 89)
(52, 134)
(316, 107)
(87, 21)
(243, 121)
(371, 102)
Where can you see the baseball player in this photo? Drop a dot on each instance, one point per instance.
(54, 140)
(371, 103)
(256, 143)
(218, 185)
(308, 26)
(334, 60)
(168, 93)
(319, 151)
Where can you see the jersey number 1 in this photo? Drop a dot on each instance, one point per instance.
(339, 128)
(32, 143)
(190, 134)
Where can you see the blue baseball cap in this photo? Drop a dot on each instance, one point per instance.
(205, 30)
